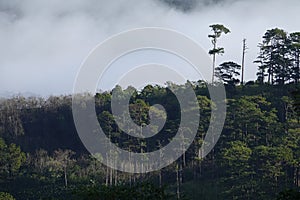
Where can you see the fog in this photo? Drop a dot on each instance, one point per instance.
(43, 43)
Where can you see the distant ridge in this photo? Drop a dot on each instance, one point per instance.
(8, 94)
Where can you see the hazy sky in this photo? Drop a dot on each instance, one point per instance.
(43, 43)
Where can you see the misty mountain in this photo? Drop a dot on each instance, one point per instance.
(8, 94)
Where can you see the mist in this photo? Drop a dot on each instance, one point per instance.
(43, 43)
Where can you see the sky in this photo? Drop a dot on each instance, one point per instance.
(44, 42)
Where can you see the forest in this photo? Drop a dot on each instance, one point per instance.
(256, 157)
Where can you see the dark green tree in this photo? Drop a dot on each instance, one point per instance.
(11, 158)
(295, 53)
(6, 196)
(227, 72)
(235, 161)
(274, 58)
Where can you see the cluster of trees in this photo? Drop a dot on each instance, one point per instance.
(63, 175)
(259, 150)
(11, 159)
(257, 155)
(278, 59)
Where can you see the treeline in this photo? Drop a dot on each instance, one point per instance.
(257, 156)
(278, 59)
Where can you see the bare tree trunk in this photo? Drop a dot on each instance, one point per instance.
(111, 177)
(214, 66)
(298, 177)
(160, 178)
(269, 75)
(177, 182)
(107, 171)
(298, 70)
(130, 180)
(200, 162)
(116, 177)
(66, 178)
(181, 173)
(243, 61)
(184, 159)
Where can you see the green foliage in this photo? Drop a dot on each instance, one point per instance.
(6, 196)
(11, 158)
(256, 157)
(296, 101)
(218, 30)
(235, 162)
(279, 57)
(227, 72)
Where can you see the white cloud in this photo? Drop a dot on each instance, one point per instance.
(44, 42)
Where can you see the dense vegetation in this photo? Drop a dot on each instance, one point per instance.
(257, 156)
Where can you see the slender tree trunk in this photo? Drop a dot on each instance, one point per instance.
(160, 178)
(269, 75)
(181, 173)
(200, 168)
(298, 177)
(213, 155)
(107, 171)
(177, 182)
(194, 170)
(66, 178)
(184, 159)
(130, 180)
(214, 64)
(297, 68)
(116, 177)
(111, 177)
(243, 61)
(272, 77)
